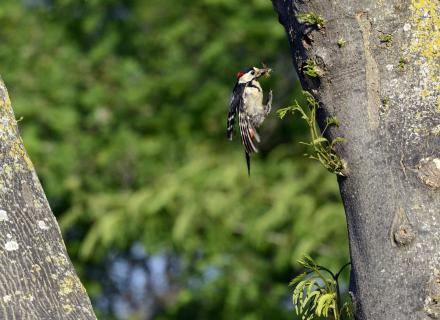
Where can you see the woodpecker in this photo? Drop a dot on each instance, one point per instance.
(247, 101)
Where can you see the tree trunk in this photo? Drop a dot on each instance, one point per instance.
(379, 73)
(37, 278)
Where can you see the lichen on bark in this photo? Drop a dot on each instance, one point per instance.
(424, 47)
(37, 276)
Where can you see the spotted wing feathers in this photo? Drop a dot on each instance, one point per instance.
(234, 105)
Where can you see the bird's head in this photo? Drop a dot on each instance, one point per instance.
(250, 74)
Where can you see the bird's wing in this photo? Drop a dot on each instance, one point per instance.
(247, 132)
(234, 106)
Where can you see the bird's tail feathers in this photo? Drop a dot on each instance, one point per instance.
(248, 163)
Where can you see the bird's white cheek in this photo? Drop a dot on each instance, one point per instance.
(245, 78)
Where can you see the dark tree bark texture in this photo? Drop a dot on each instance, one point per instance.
(37, 279)
(379, 73)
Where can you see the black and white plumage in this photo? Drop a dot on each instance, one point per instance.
(247, 102)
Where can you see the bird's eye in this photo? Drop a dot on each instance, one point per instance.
(252, 72)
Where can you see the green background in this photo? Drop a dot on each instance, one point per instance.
(123, 111)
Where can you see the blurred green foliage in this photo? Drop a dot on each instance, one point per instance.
(124, 111)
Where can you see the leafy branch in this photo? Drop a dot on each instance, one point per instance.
(323, 149)
(316, 293)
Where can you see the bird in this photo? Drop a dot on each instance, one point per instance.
(247, 102)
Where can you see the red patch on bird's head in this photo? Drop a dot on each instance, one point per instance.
(239, 74)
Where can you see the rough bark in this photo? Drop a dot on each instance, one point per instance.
(385, 92)
(37, 278)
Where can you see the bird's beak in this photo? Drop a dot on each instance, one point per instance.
(263, 72)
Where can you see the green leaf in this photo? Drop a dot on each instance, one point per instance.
(297, 279)
(332, 121)
(283, 111)
(325, 303)
(319, 140)
(347, 309)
